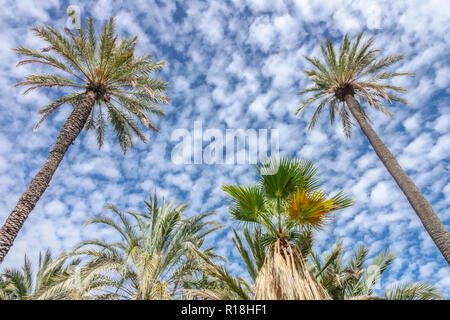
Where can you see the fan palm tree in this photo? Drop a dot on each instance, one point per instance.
(285, 202)
(21, 284)
(157, 253)
(357, 73)
(355, 281)
(107, 83)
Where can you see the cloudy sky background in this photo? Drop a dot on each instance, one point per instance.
(236, 64)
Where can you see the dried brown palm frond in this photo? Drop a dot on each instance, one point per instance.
(230, 287)
(211, 294)
(367, 298)
(207, 294)
(284, 276)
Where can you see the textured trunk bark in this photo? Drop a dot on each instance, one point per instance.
(421, 206)
(69, 132)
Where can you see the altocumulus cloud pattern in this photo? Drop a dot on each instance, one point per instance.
(238, 64)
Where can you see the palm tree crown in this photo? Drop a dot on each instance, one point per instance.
(106, 66)
(156, 256)
(20, 284)
(286, 202)
(355, 70)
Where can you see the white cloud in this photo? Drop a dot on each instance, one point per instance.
(381, 194)
(55, 208)
(413, 123)
(442, 123)
(267, 5)
(262, 33)
(443, 77)
(441, 150)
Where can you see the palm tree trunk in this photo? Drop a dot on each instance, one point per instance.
(284, 276)
(421, 206)
(69, 132)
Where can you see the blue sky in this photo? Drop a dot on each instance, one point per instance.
(238, 64)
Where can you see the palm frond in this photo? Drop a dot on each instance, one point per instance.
(247, 203)
(413, 291)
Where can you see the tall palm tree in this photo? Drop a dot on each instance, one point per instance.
(21, 284)
(108, 83)
(157, 253)
(356, 279)
(357, 73)
(284, 203)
